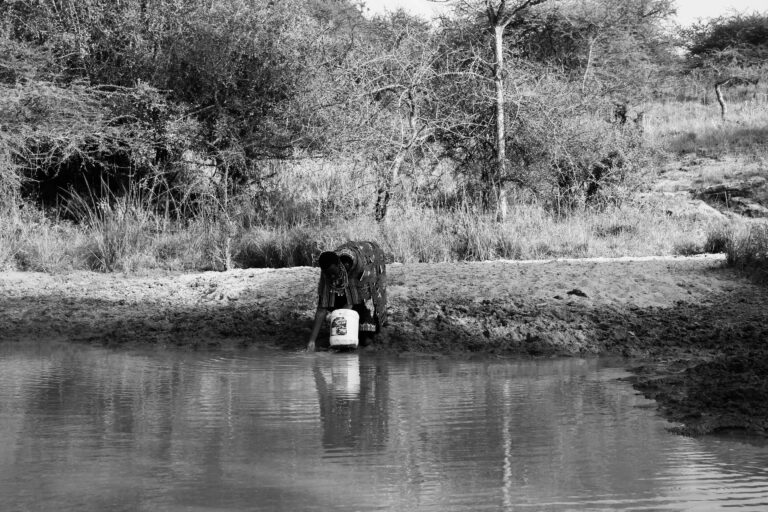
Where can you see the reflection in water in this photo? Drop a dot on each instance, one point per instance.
(353, 403)
(88, 429)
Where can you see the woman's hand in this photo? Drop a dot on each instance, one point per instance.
(319, 318)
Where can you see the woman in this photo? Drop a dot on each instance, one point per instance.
(354, 276)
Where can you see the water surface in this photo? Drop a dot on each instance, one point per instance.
(90, 429)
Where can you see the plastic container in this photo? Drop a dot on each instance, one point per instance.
(344, 327)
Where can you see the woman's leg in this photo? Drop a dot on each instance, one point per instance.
(367, 330)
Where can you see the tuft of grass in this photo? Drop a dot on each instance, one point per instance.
(688, 248)
(718, 239)
(117, 227)
(277, 248)
(30, 241)
(747, 249)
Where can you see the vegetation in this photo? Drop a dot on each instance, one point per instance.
(209, 135)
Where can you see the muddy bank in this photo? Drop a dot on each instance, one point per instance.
(695, 332)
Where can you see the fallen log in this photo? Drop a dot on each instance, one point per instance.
(724, 191)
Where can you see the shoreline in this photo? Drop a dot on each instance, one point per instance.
(693, 332)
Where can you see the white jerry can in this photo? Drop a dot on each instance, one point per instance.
(344, 327)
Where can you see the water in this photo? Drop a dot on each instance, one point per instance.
(88, 429)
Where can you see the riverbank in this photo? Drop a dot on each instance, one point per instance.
(693, 330)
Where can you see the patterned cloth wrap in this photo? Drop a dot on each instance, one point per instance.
(367, 285)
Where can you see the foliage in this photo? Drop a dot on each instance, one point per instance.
(72, 135)
(239, 79)
(730, 51)
(740, 39)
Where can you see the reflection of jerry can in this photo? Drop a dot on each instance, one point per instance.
(345, 375)
(344, 325)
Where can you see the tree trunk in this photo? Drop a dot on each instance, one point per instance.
(497, 182)
(385, 185)
(388, 181)
(721, 98)
(589, 63)
(228, 240)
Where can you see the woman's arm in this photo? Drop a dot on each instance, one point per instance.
(319, 317)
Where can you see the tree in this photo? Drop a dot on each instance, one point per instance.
(743, 37)
(554, 131)
(498, 16)
(730, 50)
(613, 47)
(393, 100)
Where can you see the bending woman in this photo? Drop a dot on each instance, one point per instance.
(354, 276)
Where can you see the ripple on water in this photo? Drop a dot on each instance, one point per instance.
(92, 429)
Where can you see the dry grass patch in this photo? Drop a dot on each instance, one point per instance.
(689, 127)
(746, 246)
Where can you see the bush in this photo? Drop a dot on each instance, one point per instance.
(567, 149)
(118, 227)
(747, 249)
(277, 248)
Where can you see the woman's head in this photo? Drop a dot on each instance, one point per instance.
(334, 268)
(328, 259)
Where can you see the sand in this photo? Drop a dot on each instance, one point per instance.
(692, 331)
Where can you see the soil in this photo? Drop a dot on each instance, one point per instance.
(693, 331)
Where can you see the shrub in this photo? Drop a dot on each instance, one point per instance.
(277, 248)
(747, 249)
(687, 248)
(718, 240)
(117, 227)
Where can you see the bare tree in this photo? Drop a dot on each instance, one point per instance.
(500, 14)
(397, 92)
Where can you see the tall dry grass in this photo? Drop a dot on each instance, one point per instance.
(696, 128)
(745, 245)
(123, 237)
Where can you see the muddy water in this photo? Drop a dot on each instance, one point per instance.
(89, 429)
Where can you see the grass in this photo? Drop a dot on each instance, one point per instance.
(745, 245)
(120, 237)
(695, 128)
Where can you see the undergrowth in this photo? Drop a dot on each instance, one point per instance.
(123, 236)
(745, 245)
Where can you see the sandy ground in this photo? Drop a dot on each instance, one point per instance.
(693, 331)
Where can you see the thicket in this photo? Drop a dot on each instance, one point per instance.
(201, 134)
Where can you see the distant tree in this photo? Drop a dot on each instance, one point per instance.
(492, 18)
(555, 133)
(740, 38)
(392, 97)
(729, 50)
(613, 47)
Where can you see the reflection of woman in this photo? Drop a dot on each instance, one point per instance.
(354, 276)
(354, 399)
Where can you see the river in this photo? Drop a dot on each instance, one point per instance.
(92, 429)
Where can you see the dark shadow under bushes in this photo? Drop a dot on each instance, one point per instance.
(277, 248)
